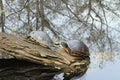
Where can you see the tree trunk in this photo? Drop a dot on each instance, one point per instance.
(37, 15)
(2, 16)
(42, 13)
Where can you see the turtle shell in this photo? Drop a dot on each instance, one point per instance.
(76, 48)
(42, 38)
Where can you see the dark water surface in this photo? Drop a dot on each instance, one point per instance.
(102, 67)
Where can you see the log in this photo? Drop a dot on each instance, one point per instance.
(20, 48)
(14, 69)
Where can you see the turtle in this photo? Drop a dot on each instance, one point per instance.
(42, 38)
(76, 48)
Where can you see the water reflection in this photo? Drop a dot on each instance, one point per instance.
(111, 71)
(104, 66)
(13, 69)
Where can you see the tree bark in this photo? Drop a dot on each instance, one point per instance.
(22, 48)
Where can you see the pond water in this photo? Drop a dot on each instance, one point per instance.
(111, 71)
(105, 67)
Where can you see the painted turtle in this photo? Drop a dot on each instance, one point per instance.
(42, 38)
(76, 48)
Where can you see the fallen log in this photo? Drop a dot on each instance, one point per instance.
(58, 60)
(14, 69)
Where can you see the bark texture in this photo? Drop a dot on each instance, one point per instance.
(59, 60)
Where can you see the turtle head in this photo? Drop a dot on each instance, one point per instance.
(66, 47)
(76, 48)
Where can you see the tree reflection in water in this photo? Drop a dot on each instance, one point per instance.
(13, 69)
(17, 70)
(104, 66)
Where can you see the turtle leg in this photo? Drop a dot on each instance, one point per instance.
(66, 50)
(75, 54)
(79, 55)
(45, 46)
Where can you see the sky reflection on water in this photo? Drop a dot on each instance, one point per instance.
(110, 70)
(103, 67)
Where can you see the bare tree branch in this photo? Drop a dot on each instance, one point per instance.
(2, 16)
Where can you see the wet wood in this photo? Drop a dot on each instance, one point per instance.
(59, 59)
(14, 69)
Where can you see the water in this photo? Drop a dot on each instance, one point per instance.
(103, 67)
(111, 71)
